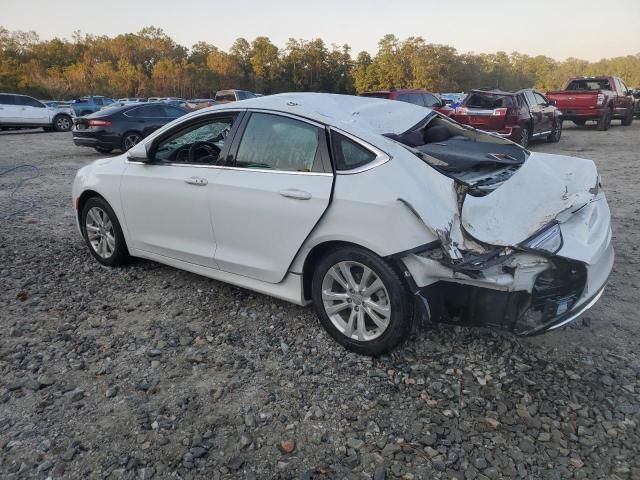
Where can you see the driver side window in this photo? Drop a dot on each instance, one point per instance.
(200, 143)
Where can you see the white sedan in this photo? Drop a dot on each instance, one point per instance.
(380, 213)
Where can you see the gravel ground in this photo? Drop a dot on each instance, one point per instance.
(150, 372)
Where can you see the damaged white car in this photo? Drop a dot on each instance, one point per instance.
(377, 212)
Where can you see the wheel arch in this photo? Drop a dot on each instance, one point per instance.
(82, 200)
(320, 250)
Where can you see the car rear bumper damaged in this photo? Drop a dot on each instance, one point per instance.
(520, 292)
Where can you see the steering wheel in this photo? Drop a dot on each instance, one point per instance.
(211, 148)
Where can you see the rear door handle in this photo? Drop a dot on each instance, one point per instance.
(295, 194)
(201, 182)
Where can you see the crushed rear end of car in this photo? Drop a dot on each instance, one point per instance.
(527, 243)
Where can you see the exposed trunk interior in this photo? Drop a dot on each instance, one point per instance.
(474, 158)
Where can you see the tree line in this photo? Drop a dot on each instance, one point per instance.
(150, 63)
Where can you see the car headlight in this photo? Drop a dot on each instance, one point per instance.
(548, 240)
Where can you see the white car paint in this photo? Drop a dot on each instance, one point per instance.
(239, 228)
(37, 114)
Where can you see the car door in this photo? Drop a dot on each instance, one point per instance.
(8, 109)
(35, 112)
(534, 110)
(166, 201)
(547, 112)
(626, 100)
(265, 204)
(148, 118)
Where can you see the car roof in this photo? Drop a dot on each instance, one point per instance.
(349, 112)
(496, 91)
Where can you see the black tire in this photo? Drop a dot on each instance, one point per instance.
(120, 253)
(129, 139)
(62, 123)
(556, 131)
(604, 122)
(525, 136)
(628, 120)
(398, 300)
(580, 122)
(103, 149)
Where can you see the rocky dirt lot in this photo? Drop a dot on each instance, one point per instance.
(150, 372)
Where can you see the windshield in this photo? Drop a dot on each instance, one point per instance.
(488, 101)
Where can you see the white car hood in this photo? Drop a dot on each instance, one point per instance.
(544, 189)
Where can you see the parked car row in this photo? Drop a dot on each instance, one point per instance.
(528, 114)
(22, 111)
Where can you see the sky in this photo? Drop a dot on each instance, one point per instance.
(585, 29)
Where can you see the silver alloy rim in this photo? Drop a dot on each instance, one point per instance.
(63, 123)
(100, 232)
(131, 141)
(356, 301)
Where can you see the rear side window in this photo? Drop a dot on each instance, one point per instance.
(349, 154)
(430, 100)
(7, 99)
(31, 102)
(540, 99)
(278, 143)
(416, 99)
(172, 112)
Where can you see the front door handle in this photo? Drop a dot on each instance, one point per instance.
(196, 181)
(295, 194)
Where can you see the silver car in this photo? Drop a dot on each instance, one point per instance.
(379, 213)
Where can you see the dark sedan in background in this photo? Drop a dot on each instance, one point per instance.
(122, 126)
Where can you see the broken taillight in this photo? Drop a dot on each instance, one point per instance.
(500, 112)
(461, 111)
(99, 123)
(600, 100)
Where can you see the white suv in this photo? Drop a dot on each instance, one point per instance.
(22, 111)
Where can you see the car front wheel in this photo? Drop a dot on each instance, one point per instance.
(102, 233)
(556, 131)
(62, 123)
(361, 301)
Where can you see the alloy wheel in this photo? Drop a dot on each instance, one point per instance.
(131, 140)
(356, 301)
(100, 232)
(63, 124)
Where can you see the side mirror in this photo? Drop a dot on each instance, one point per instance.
(139, 153)
(630, 92)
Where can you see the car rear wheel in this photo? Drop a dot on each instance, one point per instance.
(129, 140)
(556, 131)
(62, 123)
(604, 122)
(102, 233)
(361, 301)
(628, 120)
(103, 149)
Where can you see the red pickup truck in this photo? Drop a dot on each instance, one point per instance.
(594, 98)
